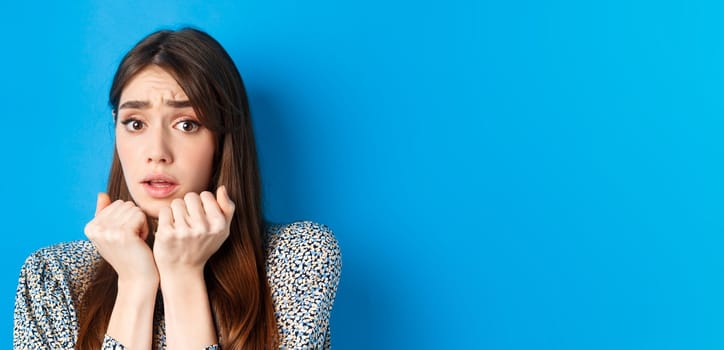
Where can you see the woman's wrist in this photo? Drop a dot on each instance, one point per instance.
(131, 321)
(139, 284)
(179, 275)
(187, 310)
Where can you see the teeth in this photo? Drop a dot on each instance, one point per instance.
(159, 183)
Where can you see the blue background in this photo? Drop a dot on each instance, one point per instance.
(500, 175)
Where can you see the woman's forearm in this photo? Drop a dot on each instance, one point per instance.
(187, 312)
(131, 321)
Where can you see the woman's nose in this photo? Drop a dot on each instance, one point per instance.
(159, 150)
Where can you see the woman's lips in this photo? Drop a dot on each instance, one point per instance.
(159, 189)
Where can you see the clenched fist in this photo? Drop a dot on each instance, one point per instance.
(191, 230)
(119, 231)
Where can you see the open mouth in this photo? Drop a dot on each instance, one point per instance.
(159, 183)
(159, 187)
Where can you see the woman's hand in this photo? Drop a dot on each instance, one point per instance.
(190, 231)
(118, 231)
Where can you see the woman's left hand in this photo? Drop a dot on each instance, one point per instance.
(191, 231)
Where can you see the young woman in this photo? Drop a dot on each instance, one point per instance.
(178, 254)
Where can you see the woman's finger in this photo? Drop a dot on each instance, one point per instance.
(180, 216)
(102, 202)
(211, 206)
(214, 215)
(140, 218)
(125, 214)
(165, 218)
(194, 208)
(225, 203)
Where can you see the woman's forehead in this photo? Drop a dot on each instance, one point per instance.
(153, 86)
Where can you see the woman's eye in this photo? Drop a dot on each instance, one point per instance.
(188, 126)
(132, 124)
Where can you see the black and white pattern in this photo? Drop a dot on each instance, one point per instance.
(303, 267)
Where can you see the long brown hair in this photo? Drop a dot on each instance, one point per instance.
(235, 275)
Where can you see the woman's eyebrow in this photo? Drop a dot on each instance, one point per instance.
(135, 105)
(146, 104)
(178, 104)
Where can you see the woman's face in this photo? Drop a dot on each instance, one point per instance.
(164, 151)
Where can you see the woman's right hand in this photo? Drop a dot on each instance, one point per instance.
(119, 231)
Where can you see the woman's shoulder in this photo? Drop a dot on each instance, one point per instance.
(71, 262)
(302, 246)
(67, 253)
(301, 236)
(58, 272)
